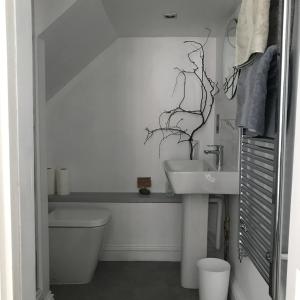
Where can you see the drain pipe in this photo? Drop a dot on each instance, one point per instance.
(222, 201)
(219, 202)
(226, 227)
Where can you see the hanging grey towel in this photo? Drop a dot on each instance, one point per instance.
(257, 95)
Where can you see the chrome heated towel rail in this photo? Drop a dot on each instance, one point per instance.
(257, 202)
(263, 181)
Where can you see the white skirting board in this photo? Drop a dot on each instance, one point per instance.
(141, 252)
(235, 291)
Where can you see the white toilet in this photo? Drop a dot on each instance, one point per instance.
(75, 239)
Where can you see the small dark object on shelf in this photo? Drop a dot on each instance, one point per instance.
(145, 191)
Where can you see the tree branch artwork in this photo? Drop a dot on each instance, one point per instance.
(230, 84)
(171, 122)
(230, 71)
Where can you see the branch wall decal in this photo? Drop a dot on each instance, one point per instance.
(230, 84)
(171, 121)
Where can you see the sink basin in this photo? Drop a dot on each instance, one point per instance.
(199, 177)
(195, 180)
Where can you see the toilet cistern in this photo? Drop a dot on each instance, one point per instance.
(218, 151)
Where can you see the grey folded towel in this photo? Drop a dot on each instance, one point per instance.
(257, 95)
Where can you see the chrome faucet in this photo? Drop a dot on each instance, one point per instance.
(218, 151)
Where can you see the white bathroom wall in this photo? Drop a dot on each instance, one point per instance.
(96, 124)
(228, 134)
(246, 282)
(143, 232)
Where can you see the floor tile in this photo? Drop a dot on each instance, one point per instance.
(129, 281)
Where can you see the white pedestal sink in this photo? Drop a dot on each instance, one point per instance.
(195, 180)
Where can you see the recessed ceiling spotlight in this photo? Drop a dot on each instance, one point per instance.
(172, 15)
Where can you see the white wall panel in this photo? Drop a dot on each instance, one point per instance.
(96, 124)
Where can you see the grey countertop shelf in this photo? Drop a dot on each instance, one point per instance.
(116, 198)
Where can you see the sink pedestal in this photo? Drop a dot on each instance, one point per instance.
(194, 240)
(195, 180)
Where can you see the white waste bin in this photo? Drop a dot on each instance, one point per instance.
(213, 279)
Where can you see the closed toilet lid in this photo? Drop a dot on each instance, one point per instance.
(78, 217)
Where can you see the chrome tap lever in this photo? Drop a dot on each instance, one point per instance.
(218, 151)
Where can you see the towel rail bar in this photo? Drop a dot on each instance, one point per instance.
(256, 218)
(263, 235)
(265, 181)
(257, 148)
(260, 244)
(256, 153)
(261, 208)
(254, 195)
(257, 167)
(260, 140)
(263, 160)
(261, 229)
(252, 185)
(259, 249)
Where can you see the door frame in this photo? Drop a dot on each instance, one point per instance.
(17, 224)
(41, 190)
(293, 274)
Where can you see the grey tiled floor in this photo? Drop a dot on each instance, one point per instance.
(129, 281)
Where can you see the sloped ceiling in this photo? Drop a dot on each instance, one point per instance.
(46, 12)
(74, 40)
(88, 27)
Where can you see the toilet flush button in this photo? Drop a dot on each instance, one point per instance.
(210, 178)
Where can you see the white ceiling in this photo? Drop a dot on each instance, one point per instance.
(145, 17)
